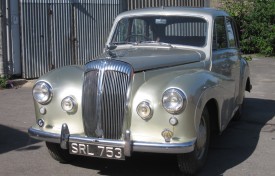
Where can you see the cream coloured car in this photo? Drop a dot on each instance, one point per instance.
(169, 78)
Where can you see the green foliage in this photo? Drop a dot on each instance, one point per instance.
(3, 81)
(256, 21)
(248, 58)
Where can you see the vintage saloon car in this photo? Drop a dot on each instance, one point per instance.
(168, 78)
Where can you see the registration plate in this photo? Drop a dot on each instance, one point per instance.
(94, 150)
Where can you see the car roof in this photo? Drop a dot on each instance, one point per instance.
(188, 11)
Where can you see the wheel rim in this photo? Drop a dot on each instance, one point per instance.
(201, 139)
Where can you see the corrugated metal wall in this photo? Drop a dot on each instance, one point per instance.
(135, 4)
(95, 26)
(2, 63)
(186, 29)
(56, 33)
(3, 40)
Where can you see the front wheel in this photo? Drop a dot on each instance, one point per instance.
(58, 153)
(191, 163)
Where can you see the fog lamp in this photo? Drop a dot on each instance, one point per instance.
(145, 110)
(167, 135)
(68, 104)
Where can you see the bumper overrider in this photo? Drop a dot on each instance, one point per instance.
(65, 139)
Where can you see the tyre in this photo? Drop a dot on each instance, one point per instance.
(58, 153)
(191, 163)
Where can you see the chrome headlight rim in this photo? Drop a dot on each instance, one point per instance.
(179, 108)
(145, 103)
(47, 85)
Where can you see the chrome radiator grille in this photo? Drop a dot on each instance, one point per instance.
(105, 87)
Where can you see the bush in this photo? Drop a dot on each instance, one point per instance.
(3, 81)
(256, 22)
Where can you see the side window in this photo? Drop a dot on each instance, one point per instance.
(231, 34)
(219, 36)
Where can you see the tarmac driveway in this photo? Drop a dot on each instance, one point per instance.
(247, 147)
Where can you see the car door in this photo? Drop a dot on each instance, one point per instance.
(225, 62)
(233, 58)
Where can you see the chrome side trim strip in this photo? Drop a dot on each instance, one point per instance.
(129, 146)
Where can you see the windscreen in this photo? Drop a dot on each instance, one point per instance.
(190, 31)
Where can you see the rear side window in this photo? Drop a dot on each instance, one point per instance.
(231, 34)
(219, 36)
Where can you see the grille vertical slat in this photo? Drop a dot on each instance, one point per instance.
(108, 106)
(114, 96)
(90, 90)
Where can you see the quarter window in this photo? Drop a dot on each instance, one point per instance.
(231, 36)
(219, 36)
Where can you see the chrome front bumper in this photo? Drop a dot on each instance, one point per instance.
(129, 146)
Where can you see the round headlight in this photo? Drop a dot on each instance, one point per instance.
(174, 101)
(42, 92)
(144, 110)
(68, 104)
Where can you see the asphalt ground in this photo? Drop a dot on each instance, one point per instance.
(245, 148)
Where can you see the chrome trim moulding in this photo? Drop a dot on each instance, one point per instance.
(135, 146)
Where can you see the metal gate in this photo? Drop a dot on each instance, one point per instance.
(55, 33)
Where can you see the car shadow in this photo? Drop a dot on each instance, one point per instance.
(229, 149)
(240, 139)
(13, 139)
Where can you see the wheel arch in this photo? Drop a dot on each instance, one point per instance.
(213, 110)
